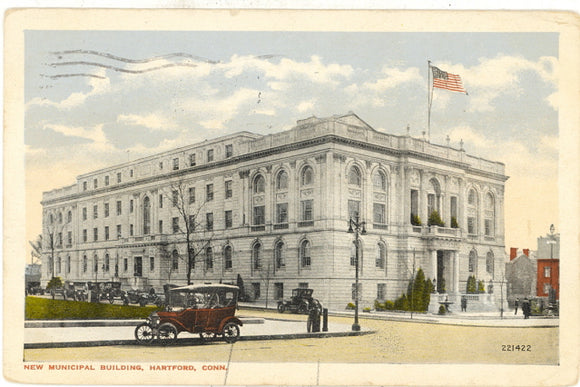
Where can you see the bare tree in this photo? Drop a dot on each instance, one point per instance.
(191, 221)
(52, 238)
(266, 273)
(36, 252)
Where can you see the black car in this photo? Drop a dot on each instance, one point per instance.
(300, 302)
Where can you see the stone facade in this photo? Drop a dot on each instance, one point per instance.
(274, 210)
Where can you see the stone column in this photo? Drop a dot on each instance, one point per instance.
(455, 258)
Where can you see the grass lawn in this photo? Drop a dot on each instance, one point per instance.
(47, 309)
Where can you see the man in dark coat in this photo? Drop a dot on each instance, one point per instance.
(526, 308)
(516, 304)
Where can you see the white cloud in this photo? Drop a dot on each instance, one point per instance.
(305, 106)
(265, 112)
(392, 78)
(155, 121)
(95, 133)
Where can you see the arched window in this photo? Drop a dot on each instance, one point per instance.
(379, 181)
(381, 255)
(51, 218)
(69, 217)
(85, 263)
(60, 217)
(95, 264)
(228, 257)
(259, 184)
(354, 176)
(353, 253)
(68, 264)
(434, 198)
(305, 253)
(282, 180)
(58, 264)
(307, 176)
(489, 266)
(146, 216)
(209, 258)
(256, 256)
(175, 260)
(107, 262)
(471, 198)
(472, 212)
(279, 255)
(472, 261)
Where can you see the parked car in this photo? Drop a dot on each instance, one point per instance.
(208, 310)
(143, 297)
(114, 292)
(80, 291)
(34, 288)
(300, 302)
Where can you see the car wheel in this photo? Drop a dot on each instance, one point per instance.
(167, 334)
(231, 332)
(142, 302)
(111, 299)
(125, 301)
(207, 336)
(144, 333)
(281, 308)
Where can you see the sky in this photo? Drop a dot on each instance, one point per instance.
(99, 98)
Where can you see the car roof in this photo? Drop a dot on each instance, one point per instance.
(204, 287)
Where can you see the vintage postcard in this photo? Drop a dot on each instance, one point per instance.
(250, 197)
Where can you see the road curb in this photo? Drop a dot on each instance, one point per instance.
(191, 341)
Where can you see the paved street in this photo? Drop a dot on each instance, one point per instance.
(416, 341)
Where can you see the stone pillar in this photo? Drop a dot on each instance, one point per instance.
(433, 258)
(455, 258)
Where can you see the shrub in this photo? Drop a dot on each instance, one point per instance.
(481, 287)
(379, 305)
(389, 305)
(442, 309)
(415, 220)
(54, 283)
(402, 303)
(471, 285)
(427, 293)
(454, 223)
(350, 306)
(435, 219)
(367, 309)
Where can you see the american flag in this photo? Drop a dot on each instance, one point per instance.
(447, 81)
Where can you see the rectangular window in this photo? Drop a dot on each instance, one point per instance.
(256, 288)
(95, 234)
(151, 263)
(106, 210)
(131, 173)
(118, 177)
(282, 213)
(131, 230)
(353, 209)
(175, 225)
(119, 233)
(160, 227)
(453, 207)
(228, 187)
(119, 207)
(228, 257)
(175, 198)
(414, 203)
(430, 204)
(379, 213)
(278, 290)
(95, 212)
(210, 155)
(488, 227)
(84, 213)
(209, 192)
(381, 291)
(306, 210)
(259, 212)
(191, 195)
(192, 159)
(303, 285)
(191, 222)
(84, 185)
(547, 288)
(107, 180)
(209, 221)
(131, 206)
(547, 271)
(471, 226)
(229, 151)
(161, 165)
(59, 243)
(160, 200)
(175, 263)
(125, 264)
(85, 235)
(95, 183)
(175, 164)
(69, 238)
(106, 233)
(228, 218)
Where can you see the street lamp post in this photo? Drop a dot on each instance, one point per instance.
(551, 242)
(357, 227)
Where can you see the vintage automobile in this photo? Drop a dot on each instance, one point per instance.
(208, 310)
(80, 292)
(114, 292)
(143, 298)
(34, 288)
(300, 302)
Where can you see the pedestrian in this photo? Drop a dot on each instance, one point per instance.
(526, 309)
(516, 304)
(463, 304)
